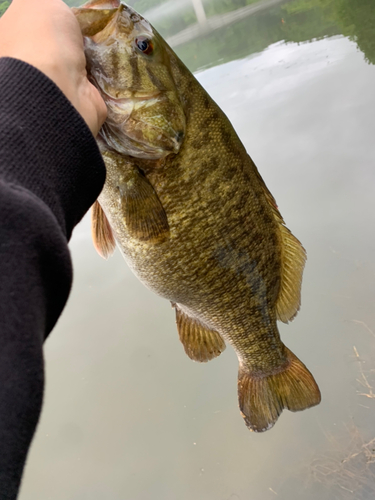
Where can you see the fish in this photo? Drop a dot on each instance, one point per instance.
(191, 214)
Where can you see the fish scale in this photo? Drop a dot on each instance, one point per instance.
(191, 214)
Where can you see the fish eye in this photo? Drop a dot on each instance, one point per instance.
(144, 44)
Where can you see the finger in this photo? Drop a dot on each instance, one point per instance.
(100, 105)
(101, 108)
(91, 106)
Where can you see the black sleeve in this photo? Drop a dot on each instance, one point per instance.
(51, 172)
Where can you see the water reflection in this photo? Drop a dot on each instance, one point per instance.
(208, 32)
(261, 24)
(355, 20)
(255, 25)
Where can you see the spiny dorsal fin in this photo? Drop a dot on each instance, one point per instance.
(200, 343)
(101, 231)
(267, 193)
(144, 214)
(293, 258)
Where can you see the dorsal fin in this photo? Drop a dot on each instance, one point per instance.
(200, 343)
(101, 231)
(267, 194)
(293, 258)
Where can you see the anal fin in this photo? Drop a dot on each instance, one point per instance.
(102, 234)
(200, 343)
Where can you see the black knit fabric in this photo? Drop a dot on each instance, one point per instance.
(51, 172)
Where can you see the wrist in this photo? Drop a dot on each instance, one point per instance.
(56, 155)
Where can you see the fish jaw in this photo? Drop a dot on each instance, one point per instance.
(145, 116)
(101, 4)
(130, 130)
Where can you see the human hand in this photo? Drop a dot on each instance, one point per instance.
(46, 34)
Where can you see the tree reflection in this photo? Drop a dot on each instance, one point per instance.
(4, 6)
(355, 19)
(293, 21)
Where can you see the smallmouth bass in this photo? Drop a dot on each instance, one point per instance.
(191, 214)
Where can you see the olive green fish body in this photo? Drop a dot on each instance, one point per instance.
(193, 218)
(221, 262)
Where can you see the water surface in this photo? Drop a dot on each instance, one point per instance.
(126, 414)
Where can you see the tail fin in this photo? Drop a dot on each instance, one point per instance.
(262, 398)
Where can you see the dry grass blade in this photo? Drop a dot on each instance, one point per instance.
(347, 469)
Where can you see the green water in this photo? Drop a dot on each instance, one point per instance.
(295, 21)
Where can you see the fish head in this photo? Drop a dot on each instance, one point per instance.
(128, 61)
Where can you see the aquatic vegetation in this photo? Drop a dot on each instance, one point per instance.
(346, 469)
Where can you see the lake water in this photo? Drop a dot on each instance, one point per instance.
(127, 416)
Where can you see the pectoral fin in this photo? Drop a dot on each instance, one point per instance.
(200, 343)
(102, 234)
(144, 215)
